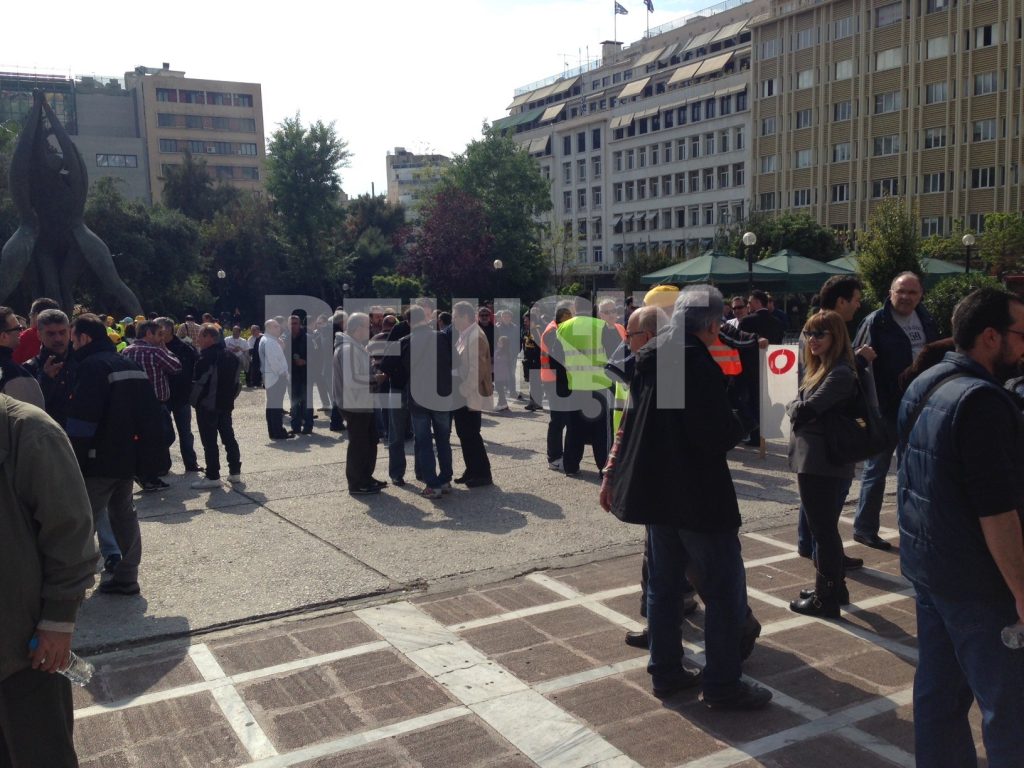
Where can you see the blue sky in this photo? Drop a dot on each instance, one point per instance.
(412, 73)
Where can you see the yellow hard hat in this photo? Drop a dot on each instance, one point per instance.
(663, 296)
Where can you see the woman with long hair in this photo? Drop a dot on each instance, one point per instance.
(829, 382)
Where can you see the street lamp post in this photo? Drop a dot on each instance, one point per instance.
(749, 241)
(498, 266)
(968, 241)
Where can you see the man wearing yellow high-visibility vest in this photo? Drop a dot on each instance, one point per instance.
(585, 343)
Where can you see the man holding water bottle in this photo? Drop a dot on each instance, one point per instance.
(960, 499)
(47, 563)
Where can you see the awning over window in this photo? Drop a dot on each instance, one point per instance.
(715, 64)
(564, 85)
(544, 92)
(675, 105)
(634, 88)
(539, 146)
(685, 72)
(729, 31)
(522, 118)
(730, 91)
(700, 40)
(647, 113)
(669, 52)
(621, 121)
(629, 217)
(617, 221)
(552, 112)
(641, 216)
(519, 100)
(595, 96)
(648, 58)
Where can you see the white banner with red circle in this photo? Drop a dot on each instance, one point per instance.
(779, 364)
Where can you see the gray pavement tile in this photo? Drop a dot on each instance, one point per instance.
(660, 739)
(605, 646)
(507, 636)
(545, 661)
(605, 701)
(376, 756)
(186, 731)
(755, 550)
(627, 605)
(464, 742)
(372, 669)
(827, 750)
(883, 668)
(312, 723)
(734, 728)
(519, 594)
(393, 702)
(772, 579)
(821, 643)
(458, 607)
(895, 726)
(569, 622)
(124, 677)
(599, 576)
(826, 688)
(895, 622)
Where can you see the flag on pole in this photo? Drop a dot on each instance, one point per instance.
(650, 5)
(619, 8)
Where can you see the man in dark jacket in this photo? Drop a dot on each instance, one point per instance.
(762, 323)
(15, 381)
(116, 428)
(425, 363)
(181, 388)
(896, 333)
(302, 403)
(960, 492)
(693, 522)
(214, 389)
(52, 366)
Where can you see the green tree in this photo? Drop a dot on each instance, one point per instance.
(392, 286)
(512, 194)
(304, 182)
(889, 245)
(798, 232)
(8, 217)
(244, 241)
(189, 188)
(156, 251)
(941, 300)
(1002, 242)
(558, 249)
(374, 235)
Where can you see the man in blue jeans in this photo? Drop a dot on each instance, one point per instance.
(897, 333)
(669, 472)
(960, 498)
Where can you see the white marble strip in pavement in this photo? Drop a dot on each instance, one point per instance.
(880, 747)
(243, 677)
(235, 710)
(538, 728)
(328, 748)
(835, 723)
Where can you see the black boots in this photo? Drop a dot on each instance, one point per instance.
(824, 600)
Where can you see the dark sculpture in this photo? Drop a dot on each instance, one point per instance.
(49, 184)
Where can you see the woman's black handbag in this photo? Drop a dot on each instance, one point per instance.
(856, 431)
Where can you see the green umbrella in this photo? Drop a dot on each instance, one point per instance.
(846, 262)
(713, 268)
(934, 269)
(803, 274)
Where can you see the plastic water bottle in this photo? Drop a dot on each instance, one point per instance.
(78, 670)
(1013, 636)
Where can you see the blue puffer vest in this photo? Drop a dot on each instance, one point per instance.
(942, 547)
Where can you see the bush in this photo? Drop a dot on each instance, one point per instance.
(941, 300)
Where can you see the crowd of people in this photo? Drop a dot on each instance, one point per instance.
(660, 391)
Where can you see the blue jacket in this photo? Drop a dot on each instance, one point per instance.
(890, 342)
(942, 547)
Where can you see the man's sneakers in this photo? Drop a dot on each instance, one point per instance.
(149, 486)
(431, 493)
(745, 696)
(235, 479)
(555, 465)
(687, 679)
(206, 483)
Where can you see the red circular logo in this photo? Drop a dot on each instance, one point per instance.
(781, 361)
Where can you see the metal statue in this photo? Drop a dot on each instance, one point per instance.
(49, 184)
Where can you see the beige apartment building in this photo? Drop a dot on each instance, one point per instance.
(649, 147)
(411, 177)
(859, 99)
(217, 120)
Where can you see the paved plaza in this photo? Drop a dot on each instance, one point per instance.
(285, 623)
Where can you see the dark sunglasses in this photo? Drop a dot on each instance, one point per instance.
(816, 334)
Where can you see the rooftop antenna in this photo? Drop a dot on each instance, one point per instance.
(565, 63)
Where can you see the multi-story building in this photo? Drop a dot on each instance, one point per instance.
(99, 116)
(648, 147)
(856, 100)
(214, 119)
(132, 133)
(411, 176)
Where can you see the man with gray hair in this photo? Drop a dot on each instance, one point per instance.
(274, 365)
(354, 384)
(693, 522)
